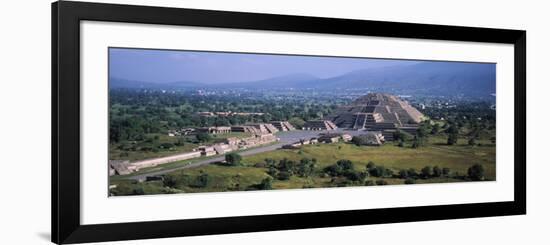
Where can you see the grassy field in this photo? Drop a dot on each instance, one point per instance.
(458, 158)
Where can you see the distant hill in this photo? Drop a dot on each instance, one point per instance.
(124, 83)
(276, 82)
(440, 78)
(430, 77)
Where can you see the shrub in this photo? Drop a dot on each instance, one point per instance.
(357, 140)
(306, 167)
(401, 144)
(401, 135)
(388, 172)
(260, 165)
(138, 191)
(203, 137)
(286, 165)
(355, 176)
(370, 165)
(345, 164)
(411, 173)
(380, 171)
(340, 168)
(435, 129)
(283, 175)
(409, 181)
(381, 182)
(272, 171)
(180, 141)
(452, 139)
(333, 170)
(169, 181)
(426, 172)
(377, 171)
(270, 162)
(437, 172)
(403, 174)
(233, 159)
(476, 172)
(297, 122)
(266, 184)
(202, 180)
(416, 142)
(446, 171)
(369, 183)
(166, 145)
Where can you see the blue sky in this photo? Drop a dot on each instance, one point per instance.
(162, 66)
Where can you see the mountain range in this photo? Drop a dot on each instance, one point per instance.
(439, 78)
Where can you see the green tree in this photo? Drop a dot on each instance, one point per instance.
(266, 184)
(446, 171)
(333, 170)
(424, 128)
(476, 172)
(297, 122)
(401, 143)
(306, 167)
(202, 180)
(286, 165)
(180, 141)
(401, 135)
(345, 164)
(166, 145)
(437, 171)
(272, 171)
(203, 137)
(435, 128)
(270, 162)
(452, 139)
(138, 191)
(169, 181)
(403, 174)
(283, 175)
(426, 172)
(370, 165)
(409, 181)
(453, 129)
(416, 142)
(359, 140)
(353, 175)
(388, 172)
(233, 159)
(411, 172)
(381, 182)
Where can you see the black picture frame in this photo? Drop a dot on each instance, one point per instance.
(66, 17)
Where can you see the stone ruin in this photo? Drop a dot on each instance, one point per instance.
(320, 125)
(378, 112)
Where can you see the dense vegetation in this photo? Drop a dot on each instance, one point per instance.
(135, 113)
(139, 120)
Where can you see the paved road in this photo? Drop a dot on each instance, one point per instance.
(285, 138)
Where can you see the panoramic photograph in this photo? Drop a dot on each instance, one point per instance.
(203, 121)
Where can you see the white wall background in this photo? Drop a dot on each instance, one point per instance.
(25, 121)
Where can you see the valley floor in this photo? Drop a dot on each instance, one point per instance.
(219, 178)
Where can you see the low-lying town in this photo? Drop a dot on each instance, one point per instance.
(375, 117)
